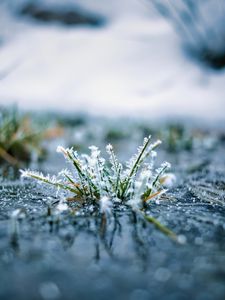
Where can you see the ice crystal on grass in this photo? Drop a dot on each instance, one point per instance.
(105, 205)
(95, 178)
(109, 183)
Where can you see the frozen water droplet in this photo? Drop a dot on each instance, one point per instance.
(198, 241)
(49, 290)
(182, 239)
(162, 274)
(139, 294)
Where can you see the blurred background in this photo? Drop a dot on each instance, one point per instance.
(148, 58)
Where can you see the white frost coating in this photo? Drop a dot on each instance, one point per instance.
(64, 151)
(153, 154)
(156, 143)
(103, 182)
(29, 173)
(60, 149)
(39, 175)
(135, 203)
(64, 172)
(145, 175)
(93, 148)
(95, 153)
(62, 206)
(109, 148)
(24, 173)
(105, 205)
(164, 165)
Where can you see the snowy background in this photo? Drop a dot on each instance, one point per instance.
(133, 65)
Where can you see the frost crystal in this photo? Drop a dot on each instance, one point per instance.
(98, 181)
(62, 150)
(101, 185)
(105, 205)
(109, 148)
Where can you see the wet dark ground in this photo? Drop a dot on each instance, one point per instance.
(47, 254)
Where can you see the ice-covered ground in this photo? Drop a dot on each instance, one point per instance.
(134, 65)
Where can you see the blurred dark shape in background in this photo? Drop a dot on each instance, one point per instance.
(69, 16)
(201, 25)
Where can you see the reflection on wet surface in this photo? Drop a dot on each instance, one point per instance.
(91, 256)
